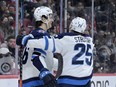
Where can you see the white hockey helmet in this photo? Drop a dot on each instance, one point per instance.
(78, 24)
(40, 11)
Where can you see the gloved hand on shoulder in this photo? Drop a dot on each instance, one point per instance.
(19, 40)
(48, 79)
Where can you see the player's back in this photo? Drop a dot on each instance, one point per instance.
(38, 34)
(76, 49)
(29, 69)
(77, 55)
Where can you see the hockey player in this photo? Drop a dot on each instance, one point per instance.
(35, 57)
(76, 49)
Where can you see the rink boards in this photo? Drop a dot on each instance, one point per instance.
(98, 80)
(103, 80)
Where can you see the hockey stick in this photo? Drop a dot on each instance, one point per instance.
(21, 58)
(60, 64)
(21, 68)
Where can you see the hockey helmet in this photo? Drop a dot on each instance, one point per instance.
(42, 11)
(78, 24)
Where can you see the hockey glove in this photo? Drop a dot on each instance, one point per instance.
(19, 40)
(26, 38)
(48, 79)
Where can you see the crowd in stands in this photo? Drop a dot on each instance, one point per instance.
(104, 26)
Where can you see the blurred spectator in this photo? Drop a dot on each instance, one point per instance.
(100, 38)
(6, 61)
(4, 45)
(11, 11)
(42, 2)
(104, 54)
(11, 42)
(29, 29)
(71, 8)
(5, 26)
(112, 63)
(1, 36)
(96, 60)
(3, 8)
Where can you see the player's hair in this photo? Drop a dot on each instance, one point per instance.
(38, 23)
(10, 37)
(78, 33)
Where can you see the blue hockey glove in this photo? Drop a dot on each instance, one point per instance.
(26, 38)
(48, 79)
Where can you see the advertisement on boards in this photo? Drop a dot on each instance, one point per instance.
(103, 80)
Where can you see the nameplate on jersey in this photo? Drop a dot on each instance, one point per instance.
(82, 39)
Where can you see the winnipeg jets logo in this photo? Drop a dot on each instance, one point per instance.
(5, 67)
(80, 25)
